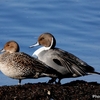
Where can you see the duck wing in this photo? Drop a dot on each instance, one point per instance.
(32, 67)
(70, 62)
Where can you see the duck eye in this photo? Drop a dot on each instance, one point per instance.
(42, 38)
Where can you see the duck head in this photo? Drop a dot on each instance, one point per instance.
(11, 47)
(46, 40)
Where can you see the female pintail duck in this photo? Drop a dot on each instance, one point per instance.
(67, 64)
(19, 65)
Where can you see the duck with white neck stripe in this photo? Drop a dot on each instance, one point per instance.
(67, 64)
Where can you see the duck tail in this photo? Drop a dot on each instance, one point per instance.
(97, 73)
(94, 73)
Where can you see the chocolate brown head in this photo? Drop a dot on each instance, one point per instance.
(47, 40)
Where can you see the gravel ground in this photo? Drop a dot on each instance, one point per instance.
(75, 90)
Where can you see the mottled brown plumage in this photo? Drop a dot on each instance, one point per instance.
(19, 65)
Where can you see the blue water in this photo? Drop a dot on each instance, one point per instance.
(74, 23)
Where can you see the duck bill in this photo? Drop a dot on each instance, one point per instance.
(34, 45)
(2, 50)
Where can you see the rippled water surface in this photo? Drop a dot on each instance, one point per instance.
(74, 23)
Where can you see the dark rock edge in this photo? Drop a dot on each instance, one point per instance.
(75, 90)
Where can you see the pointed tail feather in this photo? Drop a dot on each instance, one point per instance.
(97, 73)
(94, 73)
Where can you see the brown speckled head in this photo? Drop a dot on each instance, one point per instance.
(45, 39)
(11, 47)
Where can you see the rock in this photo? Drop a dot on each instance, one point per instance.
(75, 90)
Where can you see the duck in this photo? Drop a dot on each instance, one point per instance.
(19, 65)
(66, 63)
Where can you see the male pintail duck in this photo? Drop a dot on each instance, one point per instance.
(67, 64)
(19, 65)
